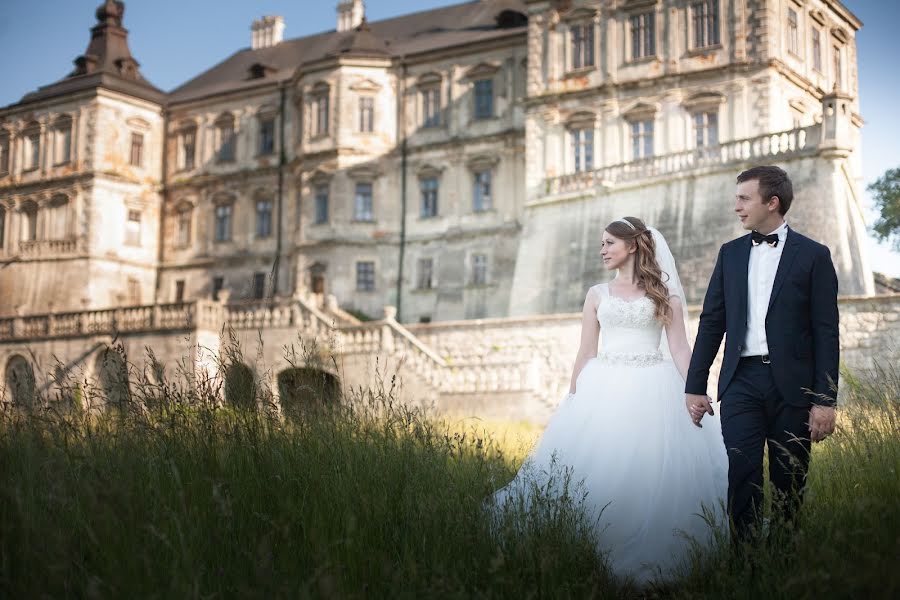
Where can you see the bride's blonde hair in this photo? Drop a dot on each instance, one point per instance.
(647, 272)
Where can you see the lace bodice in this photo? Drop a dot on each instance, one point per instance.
(629, 330)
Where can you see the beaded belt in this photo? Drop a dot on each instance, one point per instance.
(631, 359)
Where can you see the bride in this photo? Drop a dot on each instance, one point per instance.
(623, 430)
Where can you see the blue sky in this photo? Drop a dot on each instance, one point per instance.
(176, 40)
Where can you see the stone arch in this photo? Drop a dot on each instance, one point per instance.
(29, 211)
(112, 373)
(20, 382)
(240, 386)
(305, 389)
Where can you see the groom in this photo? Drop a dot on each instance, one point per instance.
(774, 292)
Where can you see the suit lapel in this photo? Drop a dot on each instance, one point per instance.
(743, 266)
(791, 245)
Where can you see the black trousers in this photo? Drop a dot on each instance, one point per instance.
(753, 415)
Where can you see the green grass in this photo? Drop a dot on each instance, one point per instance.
(173, 495)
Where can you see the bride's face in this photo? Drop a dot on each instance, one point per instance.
(615, 251)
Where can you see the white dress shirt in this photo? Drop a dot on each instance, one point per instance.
(760, 278)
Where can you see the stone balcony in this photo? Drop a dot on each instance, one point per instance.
(786, 144)
(32, 249)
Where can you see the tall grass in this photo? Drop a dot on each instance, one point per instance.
(172, 494)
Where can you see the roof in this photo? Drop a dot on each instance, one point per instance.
(446, 27)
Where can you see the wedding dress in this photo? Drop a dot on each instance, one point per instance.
(627, 435)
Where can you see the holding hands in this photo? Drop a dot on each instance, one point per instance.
(698, 405)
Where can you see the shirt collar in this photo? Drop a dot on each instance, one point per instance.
(782, 232)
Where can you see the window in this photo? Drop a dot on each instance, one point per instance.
(32, 147)
(133, 228)
(183, 227)
(706, 128)
(29, 229)
(793, 33)
(134, 291)
(643, 35)
(4, 153)
(817, 49)
(263, 218)
(321, 195)
(366, 114)
(838, 69)
(320, 112)
(429, 188)
(363, 210)
(62, 133)
(582, 45)
(482, 197)
(641, 139)
(223, 222)
(479, 269)
(365, 276)
(431, 107)
(58, 218)
(705, 23)
(179, 290)
(217, 284)
(583, 148)
(426, 272)
(484, 98)
(266, 136)
(259, 286)
(136, 158)
(226, 139)
(188, 147)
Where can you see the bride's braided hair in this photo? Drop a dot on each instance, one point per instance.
(647, 272)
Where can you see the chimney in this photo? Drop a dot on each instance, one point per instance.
(350, 14)
(267, 31)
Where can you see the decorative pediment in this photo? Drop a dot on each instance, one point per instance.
(704, 100)
(798, 104)
(840, 34)
(482, 71)
(640, 112)
(219, 198)
(184, 204)
(580, 119)
(427, 171)
(633, 6)
(365, 85)
(580, 13)
(320, 177)
(818, 16)
(266, 110)
(483, 162)
(321, 87)
(364, 173)
(138, 123)
(429, 79)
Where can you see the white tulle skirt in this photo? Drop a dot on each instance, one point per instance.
(627, 435)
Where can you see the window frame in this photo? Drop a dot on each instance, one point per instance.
(321, 208)
(816, 43)
(421, 272)
(582, 46)
(642, 132)
(226, 139)
(136, 153)
(187, 161)
(642, 36)
(480, 104)
(133, 227)
(478, 197)
(364, 216)
(702, 125)
(429, 189)
(793, 32)
(430, 98)
(183, 216)
(711, 17)
(479, 266)
(62, 140)
(267, 126)
(582, 161)
(365, 278)
(266, 219)
(227, 233)
(31, 136)
(366, 109)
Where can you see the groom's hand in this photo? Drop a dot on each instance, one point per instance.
(698, 405)
(821, 422)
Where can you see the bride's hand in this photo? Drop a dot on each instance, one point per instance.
(698, 405)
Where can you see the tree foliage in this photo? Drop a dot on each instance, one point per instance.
(887, 199)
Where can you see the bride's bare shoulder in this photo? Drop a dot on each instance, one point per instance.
(595, 293)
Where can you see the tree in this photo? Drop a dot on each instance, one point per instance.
(887, 199)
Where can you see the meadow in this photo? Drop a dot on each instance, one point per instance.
(168, 493)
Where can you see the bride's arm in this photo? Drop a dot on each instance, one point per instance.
(677, 337)
(590, 335)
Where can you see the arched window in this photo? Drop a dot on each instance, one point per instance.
(62, 140)
(263, 215)
(4, 152)
(32, 139)
(183, 218)
(59, 218)
(29, 212)
(224, 213)
(20, 382)
(225, 138)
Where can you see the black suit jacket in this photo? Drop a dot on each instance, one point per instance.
(801, 323)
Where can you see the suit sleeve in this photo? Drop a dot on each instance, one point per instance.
(824, 323)
(709, 332)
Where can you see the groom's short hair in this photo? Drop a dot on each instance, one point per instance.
(773, 181)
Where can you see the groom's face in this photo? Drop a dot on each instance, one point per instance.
(749, 205)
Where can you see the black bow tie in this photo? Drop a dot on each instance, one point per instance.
(756, 238)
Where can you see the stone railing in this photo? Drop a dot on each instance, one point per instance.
(39, 248)
(800, 141)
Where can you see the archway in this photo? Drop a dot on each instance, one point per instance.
(305, 389)
(240, 386)
(113, 374)
(20, 384)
